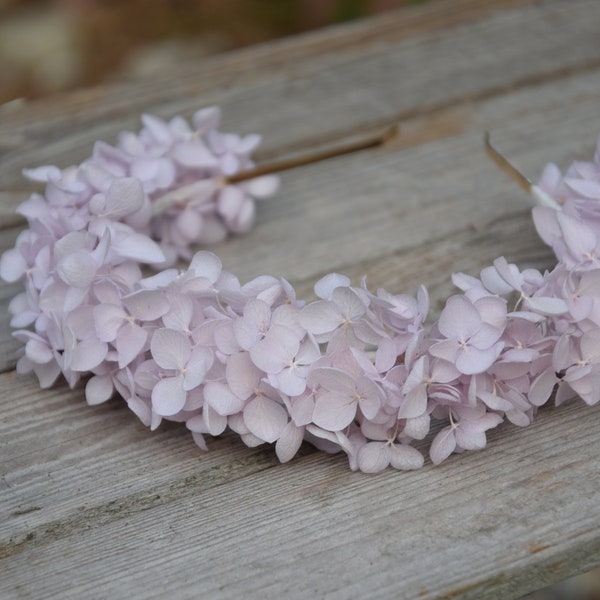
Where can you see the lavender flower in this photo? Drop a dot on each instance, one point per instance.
(354, 371)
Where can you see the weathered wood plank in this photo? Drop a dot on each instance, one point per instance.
(110, 495)
(307, 101)
(493, 524)
(313, 526)
(51, 443)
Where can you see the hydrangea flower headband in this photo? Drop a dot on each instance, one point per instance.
(354, 371)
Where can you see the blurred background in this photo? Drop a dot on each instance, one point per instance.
(49, 46)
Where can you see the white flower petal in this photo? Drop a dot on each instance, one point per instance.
(78, 269)
(414, 403)
(206, 119)
(333, 411)
(157, 128)
(325, 286)
(43, 174)
(170, 349)
(263, 187)
(405, 458)
(546, 306)
(334, 380)
(98, 389)
(373, 457)
(289, 442)
(197, 366)
(87, 355)
(38, 351)
(124, 196)
(168, 396)
(12, 265)
(230, 201)
(443, 445)
(146, 305)
(215, 423)
(459, 319)
(130, 341)
(138, 247)
(320, 317)
(418, 427)
(351, 306)
(265, 418)
(290, 381)
(194, 154)
(242, 375)
(470, 361)
(108, 318)
(206, 264)
(470, 440)
(222, 399)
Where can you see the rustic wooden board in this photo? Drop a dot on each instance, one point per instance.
(344, 88)
(492, 524)
(93, 505)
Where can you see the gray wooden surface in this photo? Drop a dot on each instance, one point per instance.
(92, 505)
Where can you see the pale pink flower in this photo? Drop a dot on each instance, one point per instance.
(183, 368)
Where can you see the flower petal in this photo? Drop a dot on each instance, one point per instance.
(87, 355)
(197, 366)
(168, 396)
(289, 442)
(77, 269)
(443, 445)
(129, 343)
(98, 389)
(242, 375)
(138, 247)
(222, 399)
(108, 318)
(146, 305)
(124, 196)
(470, 361)
(12, 265)
(373, 457)
(320, 317)
(334, 412)
(215, 423)
(405, 458)
(459, 319)
(265, 418)
(170, 349)
(414, 403)
(325, 286)
(206, 264)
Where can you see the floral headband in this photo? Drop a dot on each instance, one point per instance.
(354, 371)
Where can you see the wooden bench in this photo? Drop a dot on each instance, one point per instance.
(93, 505)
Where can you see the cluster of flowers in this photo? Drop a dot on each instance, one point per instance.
(354, 371)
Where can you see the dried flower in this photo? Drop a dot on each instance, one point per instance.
(354, 371)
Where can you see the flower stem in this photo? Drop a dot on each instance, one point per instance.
(506, 166)
(539, 195)
(182, 195)
(307, 159)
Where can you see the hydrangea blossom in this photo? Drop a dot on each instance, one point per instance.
(355, 371)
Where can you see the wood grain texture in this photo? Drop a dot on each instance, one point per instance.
(93, 505)
(307, 101)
